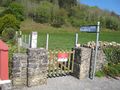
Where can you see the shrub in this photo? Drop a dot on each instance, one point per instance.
(8, 34)
(59, 18)
(112, 54)
(43, 12)
(16, 9)
(9, 21)
(76, 22)
(112, 23)
(113, 57)
(112, 70)
(5, 2)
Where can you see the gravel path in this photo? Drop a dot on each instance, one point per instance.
(71, 83)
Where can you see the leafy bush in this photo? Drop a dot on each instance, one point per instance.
(112, 70)
(76, 22)
(112, 23)
(5, 2)
(9, 21)
(43, 12)
(16, 9)
(8, 34)
(59, 18)
(113, 57)
(112, 54)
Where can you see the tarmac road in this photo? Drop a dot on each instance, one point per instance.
(71, 83)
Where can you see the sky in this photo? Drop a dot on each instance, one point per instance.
(110, 5)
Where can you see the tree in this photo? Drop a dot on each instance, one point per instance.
(9, 21)
(8, 34)
(43, 12)
(16, 9)
(5, 2)
(67, 3)
(59, 17)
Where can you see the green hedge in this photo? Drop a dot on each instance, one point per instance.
(113, 58)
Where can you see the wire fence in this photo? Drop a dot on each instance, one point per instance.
(48, 41)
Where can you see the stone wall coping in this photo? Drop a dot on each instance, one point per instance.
(5, 81)
(19, 54)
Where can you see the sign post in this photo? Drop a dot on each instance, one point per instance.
(96, 49)
(93, 29)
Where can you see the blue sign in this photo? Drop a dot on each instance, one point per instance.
(90, 28)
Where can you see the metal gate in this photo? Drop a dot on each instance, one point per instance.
(63, 67)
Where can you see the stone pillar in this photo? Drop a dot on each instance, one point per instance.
(19, 70)
(37, 66)
(82, 62)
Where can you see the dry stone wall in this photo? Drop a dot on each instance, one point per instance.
(37, 67)
(101, 60)
(84, 62)
(19, 70)
(30, 69)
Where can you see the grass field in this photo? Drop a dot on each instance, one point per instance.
(64, 38)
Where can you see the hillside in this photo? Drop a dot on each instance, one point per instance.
(59, 13)
(69, 13)
(58, 18)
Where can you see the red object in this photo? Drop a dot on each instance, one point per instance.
(62, 55)
(3, 61)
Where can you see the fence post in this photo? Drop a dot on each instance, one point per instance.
(76, 39)
(34, 40)
(16, 36)
(29, 42)
(47, 41)
(96, 49)
(19, 40)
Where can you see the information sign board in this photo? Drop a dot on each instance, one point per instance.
(90, 28)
